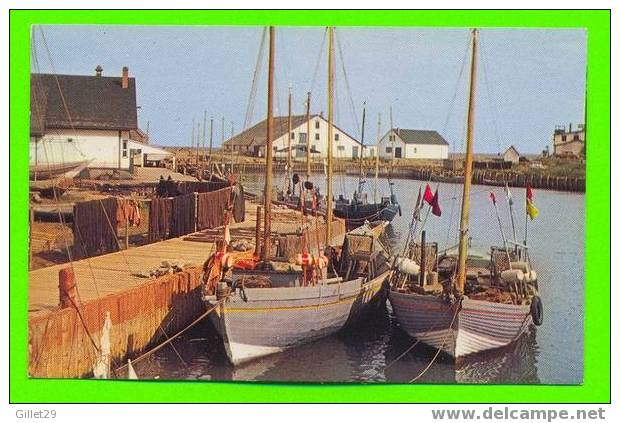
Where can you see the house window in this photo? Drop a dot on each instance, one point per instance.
(337, 137)
(415, 150)
(292, 135)
(354, 152)
(392, 137)
(69, 139)
(316, 137)
(313, 147)
(317, 124)
(341, 148)
(576, 137)
(398, 153)
(563, 137)
(124, 148)
(303, 137)
(388, 150)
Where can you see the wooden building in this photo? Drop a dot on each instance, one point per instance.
(569, 143)
(80, 118)
(252, 140)
(413, 144)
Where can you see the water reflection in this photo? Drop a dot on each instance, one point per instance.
(366, 352)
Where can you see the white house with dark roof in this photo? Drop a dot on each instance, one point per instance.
(511, 155)
(252, 140)
(87, 118)
(401, 143)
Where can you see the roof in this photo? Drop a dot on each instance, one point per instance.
(93, 102)
(257, 134)
(420, 136)
(512, 147)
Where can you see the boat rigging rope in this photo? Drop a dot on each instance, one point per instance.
(443, 342)
(249, 114)
(347, 85)
(318, 64)
(56, 200)
(491, 97)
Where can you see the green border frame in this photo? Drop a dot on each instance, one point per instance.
(596, 387)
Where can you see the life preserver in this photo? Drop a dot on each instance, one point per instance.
(304, 259)
(536, 308)
(322, 261)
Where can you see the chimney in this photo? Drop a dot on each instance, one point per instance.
(98, 70)
(570, 127)
(125, 77)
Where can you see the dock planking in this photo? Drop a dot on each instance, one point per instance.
(63, 342)
(112, 273)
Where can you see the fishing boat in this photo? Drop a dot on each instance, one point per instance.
(462, 302)
(263, 305)
(359, 209)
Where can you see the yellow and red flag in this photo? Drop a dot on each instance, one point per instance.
(530, 209)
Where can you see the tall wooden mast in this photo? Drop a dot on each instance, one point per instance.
(210, 148)
(191, 150)
(269, 150)
(222, 143)
(308, 137)
(464, 227)
(204, 136)
(290, 129)
(362, 176)
(377, 156)
(330, 132)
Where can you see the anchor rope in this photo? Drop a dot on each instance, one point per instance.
(175, 336)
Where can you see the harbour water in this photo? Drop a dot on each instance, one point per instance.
(368, 352)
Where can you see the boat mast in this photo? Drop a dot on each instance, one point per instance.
(268, 151)
(210, 148)
(464, 227)
(222, 144)
(330, 131)
(191, 150)
(377, 155)
(360, 184)
(289, 158)
(308, 137)
(204, 139)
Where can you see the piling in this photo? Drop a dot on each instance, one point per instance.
(67, 288)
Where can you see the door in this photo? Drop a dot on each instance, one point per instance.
(398, 153)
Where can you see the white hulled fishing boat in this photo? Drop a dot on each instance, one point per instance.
(464, 303)
(263, 306)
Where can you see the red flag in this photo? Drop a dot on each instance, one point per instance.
(435, 205)
(428, 195)
(529, 193)
(492, 195)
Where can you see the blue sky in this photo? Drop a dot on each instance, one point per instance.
(529, 80)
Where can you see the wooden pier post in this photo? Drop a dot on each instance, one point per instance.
(67, 288)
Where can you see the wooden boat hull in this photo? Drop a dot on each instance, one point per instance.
(356, 215)
(53, 170)
(478, 325)
(257, 322)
